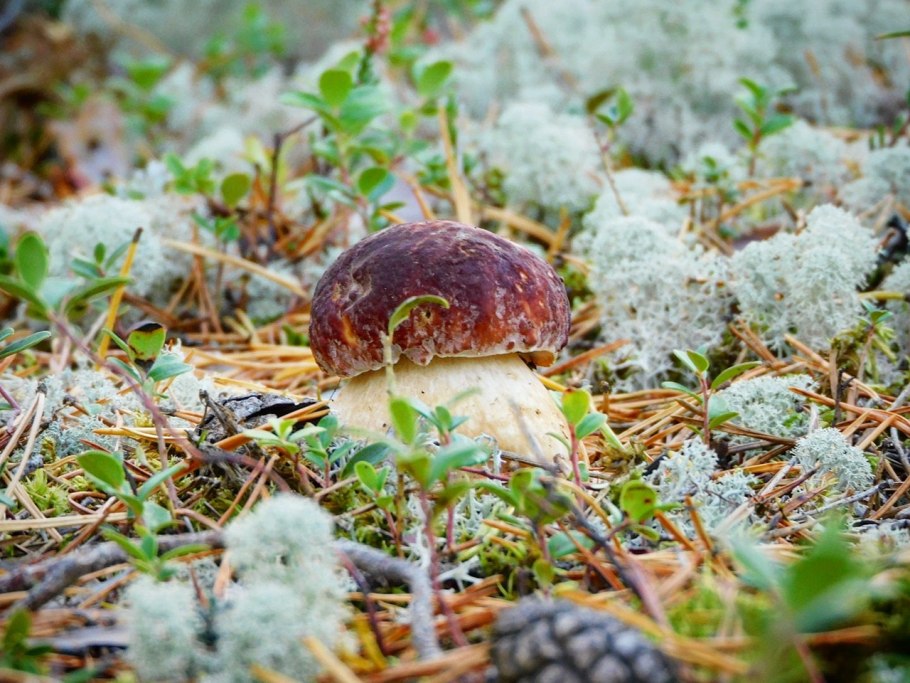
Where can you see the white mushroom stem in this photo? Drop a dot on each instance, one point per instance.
(508, 401)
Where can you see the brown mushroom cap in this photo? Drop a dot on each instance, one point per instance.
(503, 299)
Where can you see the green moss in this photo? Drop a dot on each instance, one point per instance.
(50, 497)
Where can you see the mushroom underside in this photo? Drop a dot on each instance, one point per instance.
(507, 401)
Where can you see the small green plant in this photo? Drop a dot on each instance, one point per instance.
(612, 108)
(536, 497)
(224, 198)
(858, 349)
(714, 407)
(312, 442)
(576, 407)
(12, 349)
(826, 588)
(15, 347)
(399, 315)
(639, 502)
(135, 91)
(102, 263)
(106, 471)
(250, 50)
(51, 298)
(196, 179)
(15, 651)
(762, 118)
(148, 364)
(348, 104)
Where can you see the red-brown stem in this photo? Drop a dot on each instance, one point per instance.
(454, 629)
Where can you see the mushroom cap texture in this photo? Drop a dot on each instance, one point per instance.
(502, 299)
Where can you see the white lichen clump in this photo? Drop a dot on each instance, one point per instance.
(899, 281)
(886, 175)
(646, 194)
(187, 28)
(807, 152)
(163, 627)
(653, 290)
(549, 159)
(690, 472)
(67, 428)
(289, 586)
(681, 62)
(766, 404)
(74, 229)
(805, 284)
(829, 451)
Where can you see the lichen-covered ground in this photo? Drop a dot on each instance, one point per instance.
(724, 188)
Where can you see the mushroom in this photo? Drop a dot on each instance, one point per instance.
(506, 306)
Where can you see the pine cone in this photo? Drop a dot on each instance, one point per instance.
(558, 642)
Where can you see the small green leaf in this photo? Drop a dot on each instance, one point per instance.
(91, 291)
(404, 419)
(403, 311)
(624, 105)
(717, 406)
(373, 454)
(363, 104)
(721, 418)
(146, 340)
(743, 129)
(561, 544)
(676, 386)
(24, 343)
(775, 124)
(693, 360)
(638, 500)
(306, 100)
(334, 86)
(595, 101)
(159, 478)
(544, 571)
(103, 467)
(611, 439)
(829, 585)
(234, 188)
(167, 365)
(125, 542)
(20, 290)
(759, 570)
(367, 475)
(85, 269)
(18, 627)
(449, 494)
(895, 34)
(461, 453)
(432, 78)
(507, 495)
(146, 73)
(174, 165)
(32, 260)
(732, 372)
(127, 369)
(183, 550)
(374, 182)
(757, 91)
(575, 405)
(155, 517)
(589, 424)
(418, 465)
